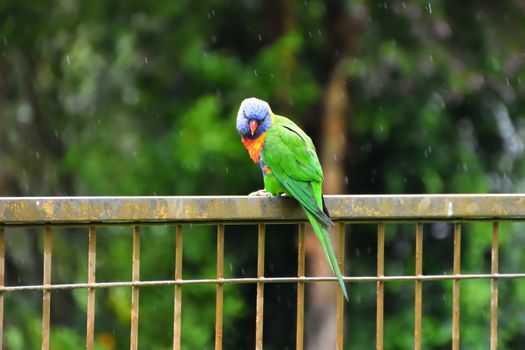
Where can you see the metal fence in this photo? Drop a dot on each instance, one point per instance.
(92, 212)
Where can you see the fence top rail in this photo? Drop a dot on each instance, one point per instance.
(101, 210)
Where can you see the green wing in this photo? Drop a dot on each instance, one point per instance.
(290, 154)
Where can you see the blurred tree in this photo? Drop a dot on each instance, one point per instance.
(139, 98)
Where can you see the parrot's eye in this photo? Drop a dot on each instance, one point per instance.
(244, 113)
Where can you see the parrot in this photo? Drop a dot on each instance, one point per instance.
(289, 165)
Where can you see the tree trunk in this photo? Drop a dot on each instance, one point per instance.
(321, 320)
(343, 28)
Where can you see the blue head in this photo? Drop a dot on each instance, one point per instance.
(254, 118)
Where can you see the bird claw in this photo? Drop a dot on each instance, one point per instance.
(260, 193)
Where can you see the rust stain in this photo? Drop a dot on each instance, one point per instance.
(76, 210)
(48, 208)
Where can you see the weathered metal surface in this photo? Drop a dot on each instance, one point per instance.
(340, 298)
(259, 311)
(299, 341)
(219, 299)
(46, 293)
(418, 302)
(92, 266)
(177, 304)
(380, 285)
(135, 276)
(251, 280)
(2, 280)
(82, 210)
(456, 287)
(494, 288)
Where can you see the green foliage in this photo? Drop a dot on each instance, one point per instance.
(139, 98)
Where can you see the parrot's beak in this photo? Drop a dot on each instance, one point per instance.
(254, 124)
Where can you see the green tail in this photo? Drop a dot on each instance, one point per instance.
(328, 248)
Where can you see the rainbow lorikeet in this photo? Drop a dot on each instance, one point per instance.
(289, 165)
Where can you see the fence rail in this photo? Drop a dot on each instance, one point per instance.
(97, 210)
(91, 212)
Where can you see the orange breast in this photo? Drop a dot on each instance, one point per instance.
(254, 147)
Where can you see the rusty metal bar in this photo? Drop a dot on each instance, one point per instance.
(104, 210)
(177, 308)
(340, 297)
(456, 287)
(418, 287)
(220, 286)
(2, 283)
(135, 276)
(46, 294)
(300, 288)
(264, 280)
(380, 285)
(494, 288)
(92, 264)
(259, 317)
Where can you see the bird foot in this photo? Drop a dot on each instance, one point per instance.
(260, 193)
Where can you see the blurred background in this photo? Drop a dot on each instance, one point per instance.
(140, 98)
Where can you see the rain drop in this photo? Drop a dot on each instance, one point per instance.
(508, 82)
(260, 37)
(255, 72)
(346, 180)
(67, 60)
(37, 155)
(146, 59)
(429, 8)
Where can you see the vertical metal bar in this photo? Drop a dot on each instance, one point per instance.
(455, 287)
(177, 312)
(418, 286)
(494, 289)
(135, 272)
(300, 288)
(340, 297)
(259, 318)
(380, 285)
(46, 294)
(92, 264)
(220, 275)
(2, 282)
